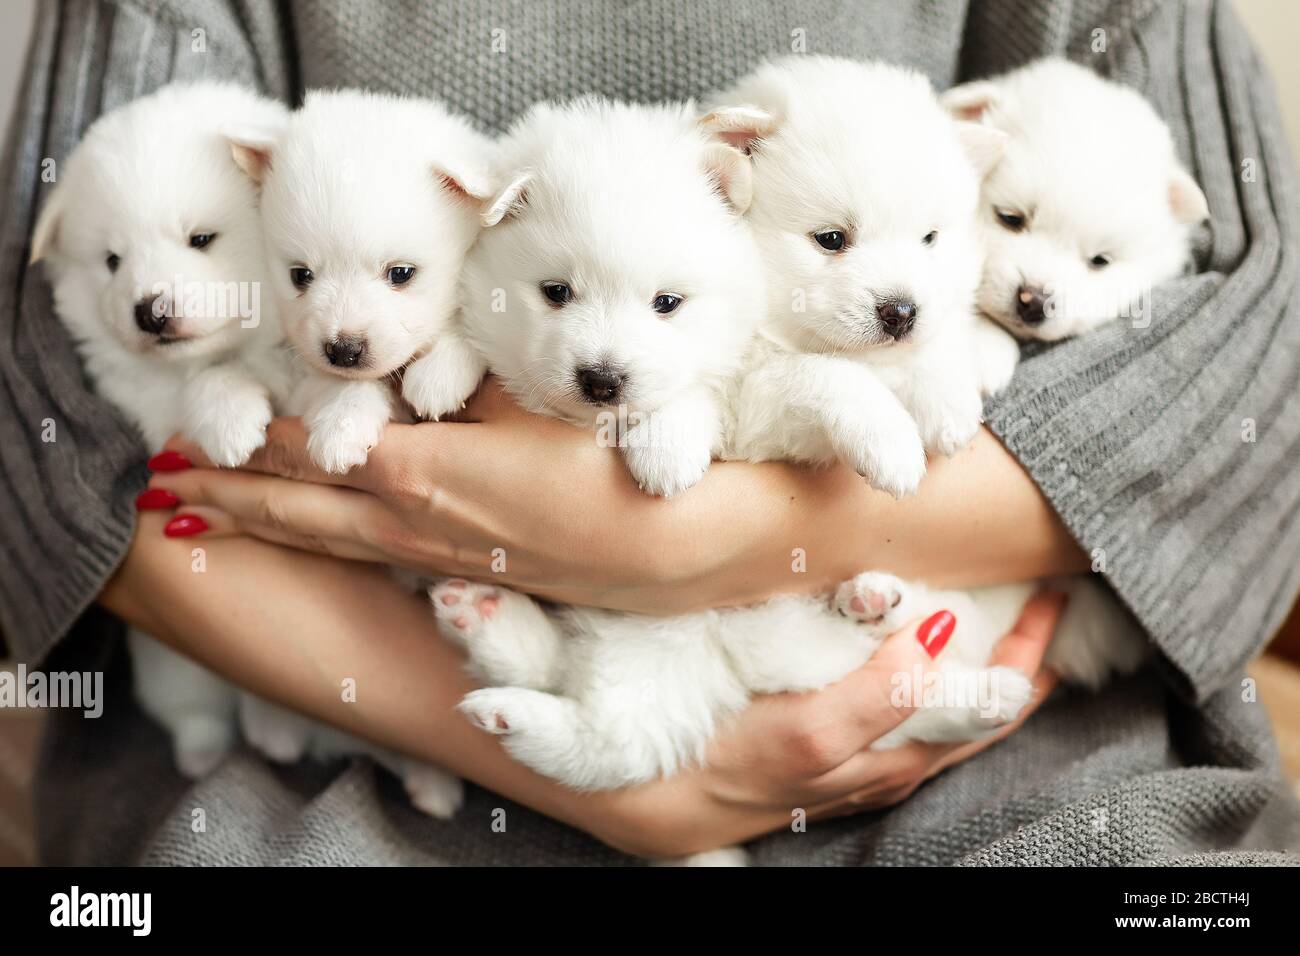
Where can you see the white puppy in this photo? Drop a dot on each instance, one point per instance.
(864, 204)
(370, 203)
(153, 243)
(616, 286)
(1088, 207)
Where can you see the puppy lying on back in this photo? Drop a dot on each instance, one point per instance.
(864, 208)
(153, 243)
(1087, 208)
(369, 204)
(616, 281)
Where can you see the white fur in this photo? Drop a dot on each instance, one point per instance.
(598, 699)
(1092, 169)
(355, 185)
(622, 204)
(864, 150)
(144, 179)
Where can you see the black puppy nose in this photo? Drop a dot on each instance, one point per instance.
(897, 316)
(150, 315)
(345, 351)
(1030, 303)
(600, 383)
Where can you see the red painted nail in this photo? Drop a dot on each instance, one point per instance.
(182, 526)
(169, 461)
(156, 499)
(935, 631)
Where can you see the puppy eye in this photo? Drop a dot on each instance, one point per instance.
(113, 261)
(929, 237)
(1012, 220)
(400, 275)
(301, 277)
(666, 303)
(1099, 261)
(557, 292)
(201, 239)
(832, 240)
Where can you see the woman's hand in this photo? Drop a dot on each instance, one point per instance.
(293, 626)
(539, 505)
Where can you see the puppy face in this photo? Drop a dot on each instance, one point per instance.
(616, 270)
(1088, 207)
(153, 235)
(864, 197)
(368, 215)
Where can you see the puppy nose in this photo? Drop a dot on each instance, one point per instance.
(1030, 303)
(345, 351)
(897, 316)
(600, 383)
(149, 316)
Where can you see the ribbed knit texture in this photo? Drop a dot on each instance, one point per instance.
(1134, 434)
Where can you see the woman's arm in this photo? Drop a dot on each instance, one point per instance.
(540, 506)
(292, 626)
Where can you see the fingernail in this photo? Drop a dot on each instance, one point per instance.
(156, 499)
(935, 631)
(182, 526)
(169, 461)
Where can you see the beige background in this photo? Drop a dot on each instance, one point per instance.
(1275, 25)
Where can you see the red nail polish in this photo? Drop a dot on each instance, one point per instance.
(182, 526)
(169, 461)
(935, 631)
(156, 499)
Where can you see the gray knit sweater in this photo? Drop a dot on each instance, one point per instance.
(1135, 435)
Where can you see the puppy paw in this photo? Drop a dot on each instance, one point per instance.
(1009, 692)
(462, 607)
(949, 422)
(435, 385)
(229, 435)
(279, 735)
(199, 743)
(340, 447)
(664, 471)
(433, 791)
(872, 598)
(494, 709)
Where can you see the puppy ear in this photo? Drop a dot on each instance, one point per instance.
(1186, 200)
(252, 150)
(731, 174)
(739, 126)
(983, 146)
(508, 201)
(465, 181)
(45, 237)
(970, 101)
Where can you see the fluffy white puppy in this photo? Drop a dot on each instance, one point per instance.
(864, 199)
(1088, 207)
(370, 203)
(616, 285)
(153, 243)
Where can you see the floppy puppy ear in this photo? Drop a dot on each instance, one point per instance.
(253, 150)
(739, 126)
(731, 174)
(983, 146)
(508, 201)
(45, 237)
(1186, 200)
(970, 101)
